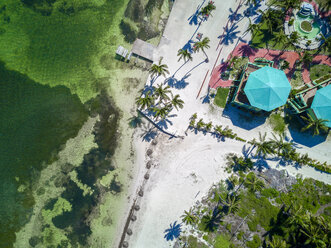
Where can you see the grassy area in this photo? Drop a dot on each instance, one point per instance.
(277, 123)
(221, 96)
(222, 241)
(259, 211)
(317, 71)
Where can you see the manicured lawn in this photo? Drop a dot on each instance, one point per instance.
(317, 71)
(277, 123)
(221, 95)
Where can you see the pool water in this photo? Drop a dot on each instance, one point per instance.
(313, 33)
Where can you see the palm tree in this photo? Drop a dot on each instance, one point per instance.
(280, 38)
(253, 183)
(316, 125)
(161, 112)
(159, 69)
(263, 147)
(294, 37)
(326, 45)
(280, 145)
(177, 102)
(268, 19)
(146, 101)
(189, 218)
(306, 59)
(202, 45)
(231, 203)
(211, 220)
(206, 11)
(200, 124)
(253, 28)
(276, 242)
(209, 126)
(162, 93)
(218, 129)
(287, 4)
(239, 163)
(184, 54)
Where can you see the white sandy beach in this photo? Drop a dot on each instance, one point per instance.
(184, 169)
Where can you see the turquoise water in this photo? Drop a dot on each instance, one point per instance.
(313, 33)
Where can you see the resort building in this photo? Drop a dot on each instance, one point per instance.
(315, 100)
(261, 87)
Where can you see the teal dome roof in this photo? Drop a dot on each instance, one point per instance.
(267, 88)
(322, 104)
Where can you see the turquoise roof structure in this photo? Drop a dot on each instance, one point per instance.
(267, 88)
(322, 104)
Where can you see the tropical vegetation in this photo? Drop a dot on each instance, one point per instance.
(262, 209)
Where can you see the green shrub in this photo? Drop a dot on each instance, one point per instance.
(277, 123)
(228, 227)
(240, 235)
(255, 243)
(270, 192)
(222, 241)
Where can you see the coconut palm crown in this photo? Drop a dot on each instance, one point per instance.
(159, 69)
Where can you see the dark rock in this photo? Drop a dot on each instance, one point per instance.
(129, 231)
(149, 164)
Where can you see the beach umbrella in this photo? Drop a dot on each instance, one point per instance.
(322, 104)
(267, 88)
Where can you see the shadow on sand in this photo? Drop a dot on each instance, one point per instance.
(243, 119)
(194, 19)
(306, 138)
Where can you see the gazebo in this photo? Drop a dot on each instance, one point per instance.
(322, 104)
(267, 88)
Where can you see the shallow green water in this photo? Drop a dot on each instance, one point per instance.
(48, 51)
(35, 120)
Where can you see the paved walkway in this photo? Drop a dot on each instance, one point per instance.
(244, 50)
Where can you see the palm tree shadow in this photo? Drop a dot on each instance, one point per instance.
(234, 16)
(149, 135)
(173, 232)
(164, 122)
(247, 151)
(229, 35)
(247, 51)
(206, 98)
(171, 81)
(188, 46)
(193, 19)
(261, 163)
(193, 68)
(252, 10)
